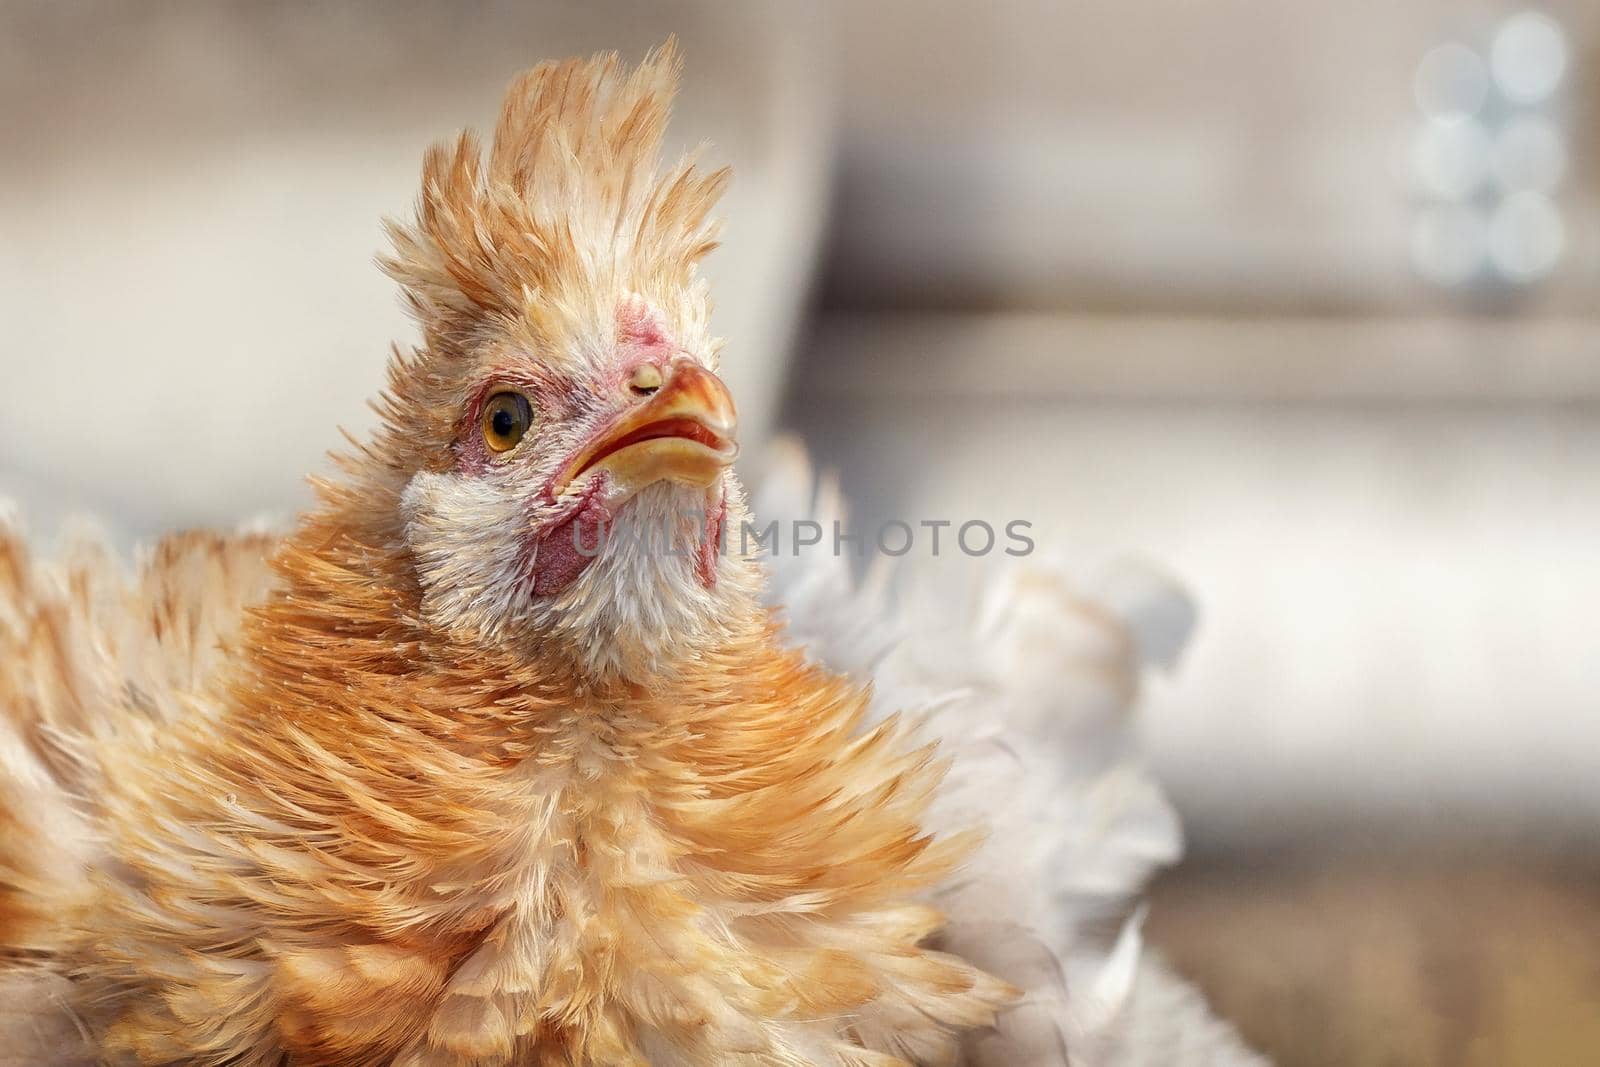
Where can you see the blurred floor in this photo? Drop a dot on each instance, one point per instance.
(1335, 956)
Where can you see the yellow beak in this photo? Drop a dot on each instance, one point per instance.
(684, 432)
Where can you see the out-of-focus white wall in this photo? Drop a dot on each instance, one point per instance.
(190, 197)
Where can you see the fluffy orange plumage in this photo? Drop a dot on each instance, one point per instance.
(444, 795)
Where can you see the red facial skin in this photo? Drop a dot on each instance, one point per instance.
(640, 324)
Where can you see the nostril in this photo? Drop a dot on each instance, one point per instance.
(645, 379)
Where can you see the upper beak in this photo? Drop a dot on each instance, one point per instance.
(685, 432)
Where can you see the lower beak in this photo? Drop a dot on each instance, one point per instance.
(685, 433)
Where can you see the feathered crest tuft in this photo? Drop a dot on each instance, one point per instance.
(570, 200)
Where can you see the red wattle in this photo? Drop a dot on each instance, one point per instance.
(569, 547)
(705, 563)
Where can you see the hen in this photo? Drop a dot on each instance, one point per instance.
(497, 758)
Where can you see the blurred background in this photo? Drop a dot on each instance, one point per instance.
(1296, 299)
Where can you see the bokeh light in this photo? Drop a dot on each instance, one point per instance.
(1529, 153)
(1450, 157)
(1526, 237)
(1489, 157)
(1529, 57)
(1451, 80)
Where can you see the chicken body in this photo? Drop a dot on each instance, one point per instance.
(373, 848)
(449, 793)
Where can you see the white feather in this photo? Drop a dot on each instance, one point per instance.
(1028, 682)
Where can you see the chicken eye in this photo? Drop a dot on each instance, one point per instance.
(506, 417)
